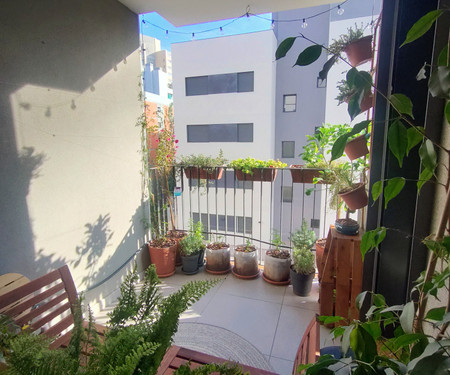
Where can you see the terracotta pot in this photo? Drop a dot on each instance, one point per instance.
(246, 263)
(367, 102)
(259, 174)
(164, 259)
(356, 197)
(206, 174)
(356, 147)
(304, 175)
(320, 248)
(276, 269)
(177, 236)
(218, 261)
(360, 51)
(301, 283)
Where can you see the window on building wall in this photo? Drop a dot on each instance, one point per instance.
(286, 194)
(160, 116)
(220, 83)
(288, 149)
(290, 103)
(220, 133)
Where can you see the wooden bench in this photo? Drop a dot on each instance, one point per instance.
(309, 349)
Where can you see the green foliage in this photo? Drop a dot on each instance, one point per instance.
(353, 34)
(309, 55)
(284, 47)
(211, 368)
(303, 237)
(193, 242)
(140, 330)
(203, 161)
(303, 260)
(248, 164)
(422, 26)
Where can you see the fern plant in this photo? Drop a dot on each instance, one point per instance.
(140, 330)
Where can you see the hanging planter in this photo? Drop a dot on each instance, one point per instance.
(203, 173)
(357, 147)
(162, 255)
(245, 262)
(258, 174)
(217, 258)
(355, 197)
(304, 175)
(359, 51)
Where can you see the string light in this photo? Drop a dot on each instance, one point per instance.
(273, 24)
(221, 30)
(193, 36)
(340, 11)
(304, 24)
(167, 34)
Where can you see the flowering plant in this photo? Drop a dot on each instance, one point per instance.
(248, 164)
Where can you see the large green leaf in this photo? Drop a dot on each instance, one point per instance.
(443, 59)
(309, 55)
(423, 178)
(284, 47)
(339, 146)
(354, 104)
(407, 317)
(407, 339)
(360, 299)
(439, 82)
(430, 349)
(436, 313)
(351, 76)
(377, 189)
(447, 112)
(359, 127)
(370, 240)
(414, 138)
(323, 74)
(402, 104)
(393, 187)
(345, 343)
(421, 26)
(398, 140)
(436, 364)
(363, 344)
(362, 80)
(428, 155)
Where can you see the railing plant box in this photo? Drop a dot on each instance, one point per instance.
(204, 173)
(259, 174)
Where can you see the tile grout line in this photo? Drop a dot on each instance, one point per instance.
(276, 329)
(207, 304)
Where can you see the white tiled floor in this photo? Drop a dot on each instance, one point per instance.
(270, 317)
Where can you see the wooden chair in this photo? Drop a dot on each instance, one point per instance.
(309, 348)
(46, 304)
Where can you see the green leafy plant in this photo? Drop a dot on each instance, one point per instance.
(212, 368)
(303, 260)
(203, 161)
(303, 237)
(248, 164)
(140, 330)
(193, 242)
(353, 34)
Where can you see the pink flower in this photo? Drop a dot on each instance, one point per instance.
(176, 140)
(168, 156)
(176, 147)
(162, 130)
(168, 139)
(157, 141)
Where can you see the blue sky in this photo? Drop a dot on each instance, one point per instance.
(184, 33)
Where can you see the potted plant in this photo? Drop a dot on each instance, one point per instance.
(303, 237)
(245, 261)
(277, 263)
(192, 248)
(302, 270)
(356, 46)
(251, 169)
(357, 147)
(217, 257)
(347, 91)
(203, 167)
(177, 235)
(316, 154)
(162, 254)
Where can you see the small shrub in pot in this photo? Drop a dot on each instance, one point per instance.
(191, 248)
(302, 271)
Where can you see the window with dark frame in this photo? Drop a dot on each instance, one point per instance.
(286, 194)
(290, 103)
(220, 83)
(220, 133)
(288, 149)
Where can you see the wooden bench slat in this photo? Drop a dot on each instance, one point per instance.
(39, 310)
(49, 317)
(59, 327)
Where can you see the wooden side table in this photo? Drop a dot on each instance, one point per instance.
(341, 278)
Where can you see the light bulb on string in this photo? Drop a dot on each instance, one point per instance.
(340, 11)
(273, 24)
(167, 34)
(304, 24)
(221, 30)
(193, 36)
(248, 16)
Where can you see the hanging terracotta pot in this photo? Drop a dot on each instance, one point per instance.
(163, 257)
(359, 51)
(357, 147)
(259, 174)
(355, 197)
(367, 102)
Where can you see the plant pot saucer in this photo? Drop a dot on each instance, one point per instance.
(218, 272)
(166, 275)
(190, 273)
(233, 270)
(286, 282)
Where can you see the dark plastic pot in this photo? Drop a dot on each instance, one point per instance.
(190, 264)
(201, 258)
(301, 283)
(349, 227)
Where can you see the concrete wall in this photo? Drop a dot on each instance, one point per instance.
(70, 185)
(231, 54)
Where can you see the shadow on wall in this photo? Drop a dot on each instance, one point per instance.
(65, 45)
(97, 236)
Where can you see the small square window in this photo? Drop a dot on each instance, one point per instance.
(290, 103)
(287, 194)
(288, 149)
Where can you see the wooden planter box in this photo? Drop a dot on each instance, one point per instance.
(202, 173)
(259, 174)
(341, 279)
(301, 175)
